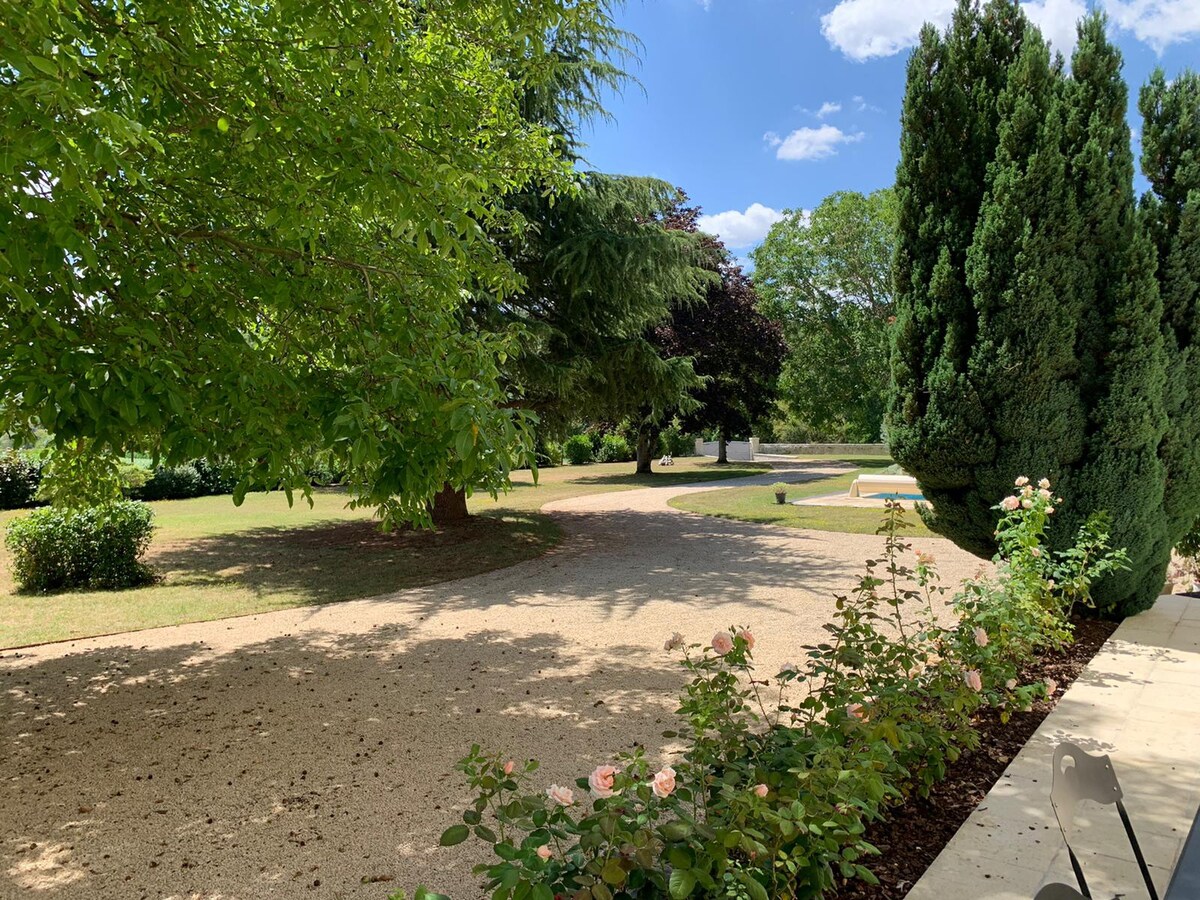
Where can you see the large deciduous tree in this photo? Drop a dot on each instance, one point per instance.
(247, 230)
(1028, 333)
(735, 349)
(826, 276)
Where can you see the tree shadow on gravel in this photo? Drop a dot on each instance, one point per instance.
(349, 560)
(321, 763)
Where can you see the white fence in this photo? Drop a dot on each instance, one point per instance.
(740, 451)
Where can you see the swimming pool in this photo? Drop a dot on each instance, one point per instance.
(896, 496)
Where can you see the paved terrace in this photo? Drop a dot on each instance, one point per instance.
(1139, 702)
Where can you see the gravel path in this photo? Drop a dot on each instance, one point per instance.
(310, 752)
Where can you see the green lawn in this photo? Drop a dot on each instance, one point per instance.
(757, 504)
(217, 560)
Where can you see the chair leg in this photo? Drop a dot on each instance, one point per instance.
(1083, 888)
(1137, 851)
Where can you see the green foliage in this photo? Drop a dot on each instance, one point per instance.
(602, 269)
(99, 547)
(19, 479)
(578, 450)
(672, 441)
(1028, 319)
(826, 275)
(211, 264)
(1171, 211)
(614, 448)
(773, 795)
(221, 478)
(172, 483)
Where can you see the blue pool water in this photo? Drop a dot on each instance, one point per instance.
(896, 496)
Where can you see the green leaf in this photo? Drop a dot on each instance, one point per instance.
(681, 884)
(455, 834)
(613, 873)
(222, 124)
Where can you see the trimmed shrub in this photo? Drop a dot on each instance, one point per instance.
(172, 483)
(614, 448)
(215, 478)
(19, 481)
(99, 547)
(578, 450)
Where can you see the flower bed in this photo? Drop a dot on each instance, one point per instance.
(782, 777)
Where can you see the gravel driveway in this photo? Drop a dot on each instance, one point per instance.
(310, 752)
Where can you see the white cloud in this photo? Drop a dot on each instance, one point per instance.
(828, 108)
(866, 29)
(810, 143)
(741, 229)
(1157, 22)
(1057, 20)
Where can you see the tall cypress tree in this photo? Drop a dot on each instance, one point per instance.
(1053, 364)
(1024, 281)
(939, 425)
(1120, 348)
(1171, 213)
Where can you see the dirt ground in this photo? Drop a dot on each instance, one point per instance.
(310, 752)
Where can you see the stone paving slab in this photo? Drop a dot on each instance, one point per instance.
(1139, 702)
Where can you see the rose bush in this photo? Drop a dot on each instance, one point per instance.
(781, 777)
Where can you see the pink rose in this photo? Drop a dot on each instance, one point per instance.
(561, 795)
(1051, 687)
(1049, 510)
(925, 559)
(761, 790)
(974, 682)
(544, 852)
(1035, 552)
(1026, 503)
(509, 766)
(663, 783)
(748, 637)
(788, 669)
(1027, 491)
(722, 643)
(1044, 494)
(856, 711)
(1044, 484)
(601, 780)
(674, 642)
(981, 638)
(1010, 503)
(1021, 482)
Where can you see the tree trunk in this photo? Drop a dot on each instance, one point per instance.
(722, 440)
(449, 505)
(643, 453)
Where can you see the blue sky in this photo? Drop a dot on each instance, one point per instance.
(756, 106)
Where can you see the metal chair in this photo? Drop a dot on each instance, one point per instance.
(1088, 778)
(1058, 891)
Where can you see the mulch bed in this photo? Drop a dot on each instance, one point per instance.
(916, 832)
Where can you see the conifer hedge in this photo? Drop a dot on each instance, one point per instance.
(1032, 333)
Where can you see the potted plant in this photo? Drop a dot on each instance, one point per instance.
(780, 488)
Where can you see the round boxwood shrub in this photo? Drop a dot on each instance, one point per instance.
(99, 547)
(614, 448)
(19, 479)
(578, 449)
(172, 483)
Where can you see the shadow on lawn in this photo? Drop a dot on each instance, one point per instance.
(333, 561)
(312, 763)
